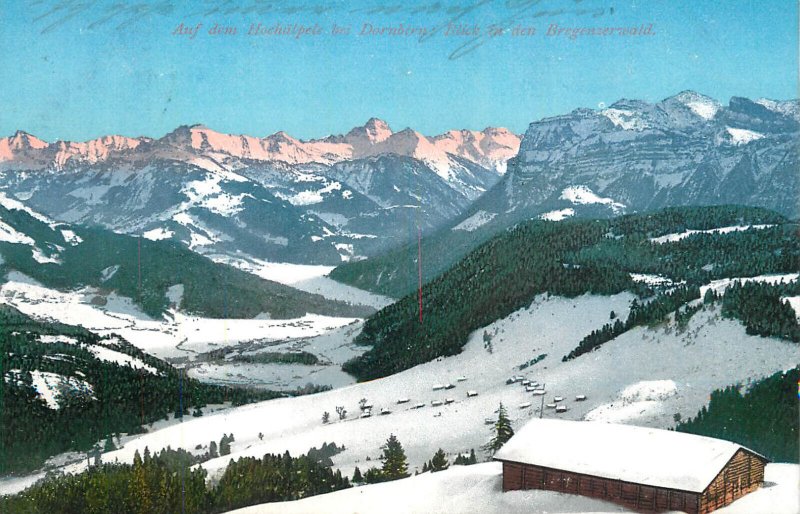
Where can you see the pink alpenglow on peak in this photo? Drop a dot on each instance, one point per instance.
(32, 152)
(489, 148)
(93, 151)
(19, 142)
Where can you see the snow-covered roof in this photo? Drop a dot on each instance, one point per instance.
(647, 456)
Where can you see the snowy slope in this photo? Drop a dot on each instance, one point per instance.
(333, 348)
(308, 278)
(478, 489)
(460, 489)
(671, 238)
(174, 336)
(664, 353)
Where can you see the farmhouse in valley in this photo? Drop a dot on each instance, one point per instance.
(644, 469)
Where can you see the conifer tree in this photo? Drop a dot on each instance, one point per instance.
(439, 461)
(373, 476)
(502, 431)
(140, 491)
(357, 478)
(395, 465)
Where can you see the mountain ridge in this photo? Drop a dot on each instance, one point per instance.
(490, 147)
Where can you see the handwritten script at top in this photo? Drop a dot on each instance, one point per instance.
(96, 14)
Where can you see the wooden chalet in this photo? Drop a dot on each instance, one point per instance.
(643, 469)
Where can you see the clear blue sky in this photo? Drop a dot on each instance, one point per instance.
(76, 69)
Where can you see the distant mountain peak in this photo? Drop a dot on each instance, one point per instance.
(281, 135)
(374, 131)
(22, 140)
(377, 123)
(701, 105)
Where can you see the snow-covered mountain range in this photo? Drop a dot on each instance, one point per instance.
(344, 197)
(490, 148)
(276, 198)
(687, 149)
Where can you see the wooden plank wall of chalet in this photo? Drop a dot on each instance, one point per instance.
(641, 498)
(743, 474)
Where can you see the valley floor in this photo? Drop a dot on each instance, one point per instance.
(182, 339)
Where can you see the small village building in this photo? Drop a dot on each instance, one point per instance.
(643, 469)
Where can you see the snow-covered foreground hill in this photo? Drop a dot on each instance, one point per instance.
(644, 377)
(460, 489)
(478, 489)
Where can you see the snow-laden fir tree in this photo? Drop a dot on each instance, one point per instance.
(439, 461)
(395, 465)
(502, 431)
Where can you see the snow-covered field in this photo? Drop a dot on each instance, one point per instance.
(308, 278)
(719, 286)
(672, 370)
(478, 489)
(558, 215)
(671, 238)
(652, 280)
(333, 348)
(51, 386)
(178, 336)
(582, 195)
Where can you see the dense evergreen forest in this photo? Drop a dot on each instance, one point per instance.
(166, 483)
(762, 310)
(118, 399)
(395, 273)
(571, 258)
(144, 270)
(762, 417)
